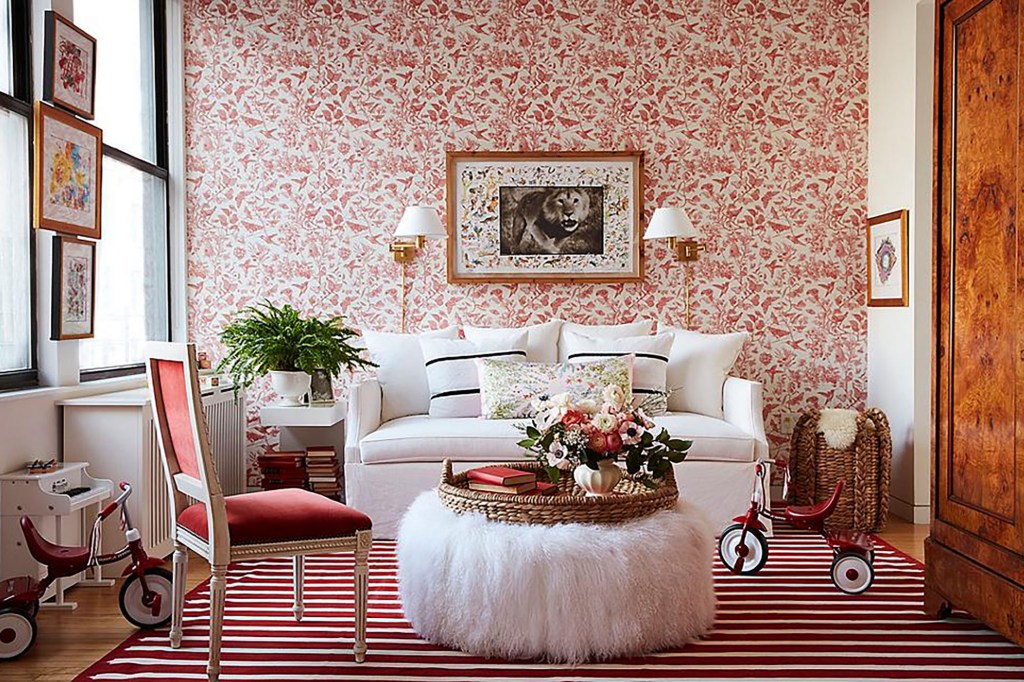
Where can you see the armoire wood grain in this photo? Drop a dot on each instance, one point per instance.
(975, 554)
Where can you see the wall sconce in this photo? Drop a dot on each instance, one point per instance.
(418, 224)
(683, 239)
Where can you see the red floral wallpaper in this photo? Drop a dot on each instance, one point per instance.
(311, 124)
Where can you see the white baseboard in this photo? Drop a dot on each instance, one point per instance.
(915, 513)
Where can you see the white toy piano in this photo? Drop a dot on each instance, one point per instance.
(54, 500)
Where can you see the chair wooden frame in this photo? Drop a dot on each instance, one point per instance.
(219, 551)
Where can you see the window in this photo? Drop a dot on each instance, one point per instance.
(132, 299)
(17, 285)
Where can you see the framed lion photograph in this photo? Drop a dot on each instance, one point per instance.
(544, 216)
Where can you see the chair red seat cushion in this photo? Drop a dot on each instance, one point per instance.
(271, 516)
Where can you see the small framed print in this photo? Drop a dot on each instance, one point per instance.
(68, 173)
(69, 66)
(544, 216)
(74, 289)
(888, 272)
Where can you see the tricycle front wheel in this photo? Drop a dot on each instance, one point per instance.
(152, 612)
(743, 555)
(17, 633)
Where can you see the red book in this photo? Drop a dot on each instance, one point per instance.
(495, 475)
(545, 488)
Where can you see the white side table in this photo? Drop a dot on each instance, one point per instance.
(310, 426)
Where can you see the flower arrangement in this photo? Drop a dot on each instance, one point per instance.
(568, 433)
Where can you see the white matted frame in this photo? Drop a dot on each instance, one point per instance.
(496, 231)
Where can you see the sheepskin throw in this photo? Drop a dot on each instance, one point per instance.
(566, 593)
(839, 427)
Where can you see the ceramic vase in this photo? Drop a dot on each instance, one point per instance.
(290, 387)
(599, 482)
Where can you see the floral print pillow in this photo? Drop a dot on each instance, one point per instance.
(507, 389)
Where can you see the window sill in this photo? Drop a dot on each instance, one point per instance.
(83, 389)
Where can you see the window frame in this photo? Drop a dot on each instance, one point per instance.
(159, 169)
(20, 102)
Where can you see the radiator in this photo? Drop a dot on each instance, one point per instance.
(225, 424)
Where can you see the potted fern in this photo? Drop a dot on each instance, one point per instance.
(266, 339)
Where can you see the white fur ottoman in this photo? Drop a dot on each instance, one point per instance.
(568, 593)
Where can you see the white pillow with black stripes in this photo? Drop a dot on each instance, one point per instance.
(452, 373)
(650, 368)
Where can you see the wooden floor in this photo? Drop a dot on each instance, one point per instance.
(70, 641)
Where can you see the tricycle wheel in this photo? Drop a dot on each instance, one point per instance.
(746, 558)
(17, 633)
(852, 573)
(133, 603)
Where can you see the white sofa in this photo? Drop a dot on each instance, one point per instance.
(387, 464)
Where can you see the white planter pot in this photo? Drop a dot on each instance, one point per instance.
(290, 386)
(600, 482)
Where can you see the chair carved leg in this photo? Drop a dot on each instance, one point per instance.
(218, 590)
(180, 576)
(298, 574)
(362, 575)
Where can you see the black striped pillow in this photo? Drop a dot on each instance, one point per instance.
(650, 368)
(452, 372)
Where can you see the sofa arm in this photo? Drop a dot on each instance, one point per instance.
(743, 405)
(364, 403)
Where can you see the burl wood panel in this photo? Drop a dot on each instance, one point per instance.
(978, 461)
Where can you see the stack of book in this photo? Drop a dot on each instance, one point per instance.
(324, 471)
(497, 479)
(282, 470)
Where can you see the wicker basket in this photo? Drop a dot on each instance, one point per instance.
(569, 505)
(865, 466)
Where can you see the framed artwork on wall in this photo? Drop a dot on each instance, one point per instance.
(69, 66)
(888, 271)
(544, 216)
(68, 173)
(74, 289)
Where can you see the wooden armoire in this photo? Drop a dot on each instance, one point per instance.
(975, 554)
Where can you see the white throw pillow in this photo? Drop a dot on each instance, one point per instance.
(603, 331)
(541, 343)
(650, 367)
(697, 369)
(452, 372)
(401, 371)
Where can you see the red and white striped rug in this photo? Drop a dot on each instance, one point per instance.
(787, 622)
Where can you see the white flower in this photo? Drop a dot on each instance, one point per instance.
(605, 422)
(614, 395)
(587, 406)
(563, 400)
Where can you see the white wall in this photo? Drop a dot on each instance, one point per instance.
(899, 176)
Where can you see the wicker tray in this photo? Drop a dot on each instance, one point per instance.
(569, 505)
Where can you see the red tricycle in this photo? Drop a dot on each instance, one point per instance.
(145, 597)
(743, 547)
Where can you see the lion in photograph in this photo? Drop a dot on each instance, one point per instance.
(551, 221)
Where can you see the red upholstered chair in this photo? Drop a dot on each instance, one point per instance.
(240, 527)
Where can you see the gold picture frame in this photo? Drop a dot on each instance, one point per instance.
(528, 217)
(887, 251)
(68, 173)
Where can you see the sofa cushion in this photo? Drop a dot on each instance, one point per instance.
(431, 439)
(452, 374)
(713, 439)
(401, 370)
(698, 367)
(424, 439)
(650, 363)
(602, 331)
(541, 344)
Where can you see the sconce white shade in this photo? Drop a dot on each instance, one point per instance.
(670, 222)
(420, 221)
